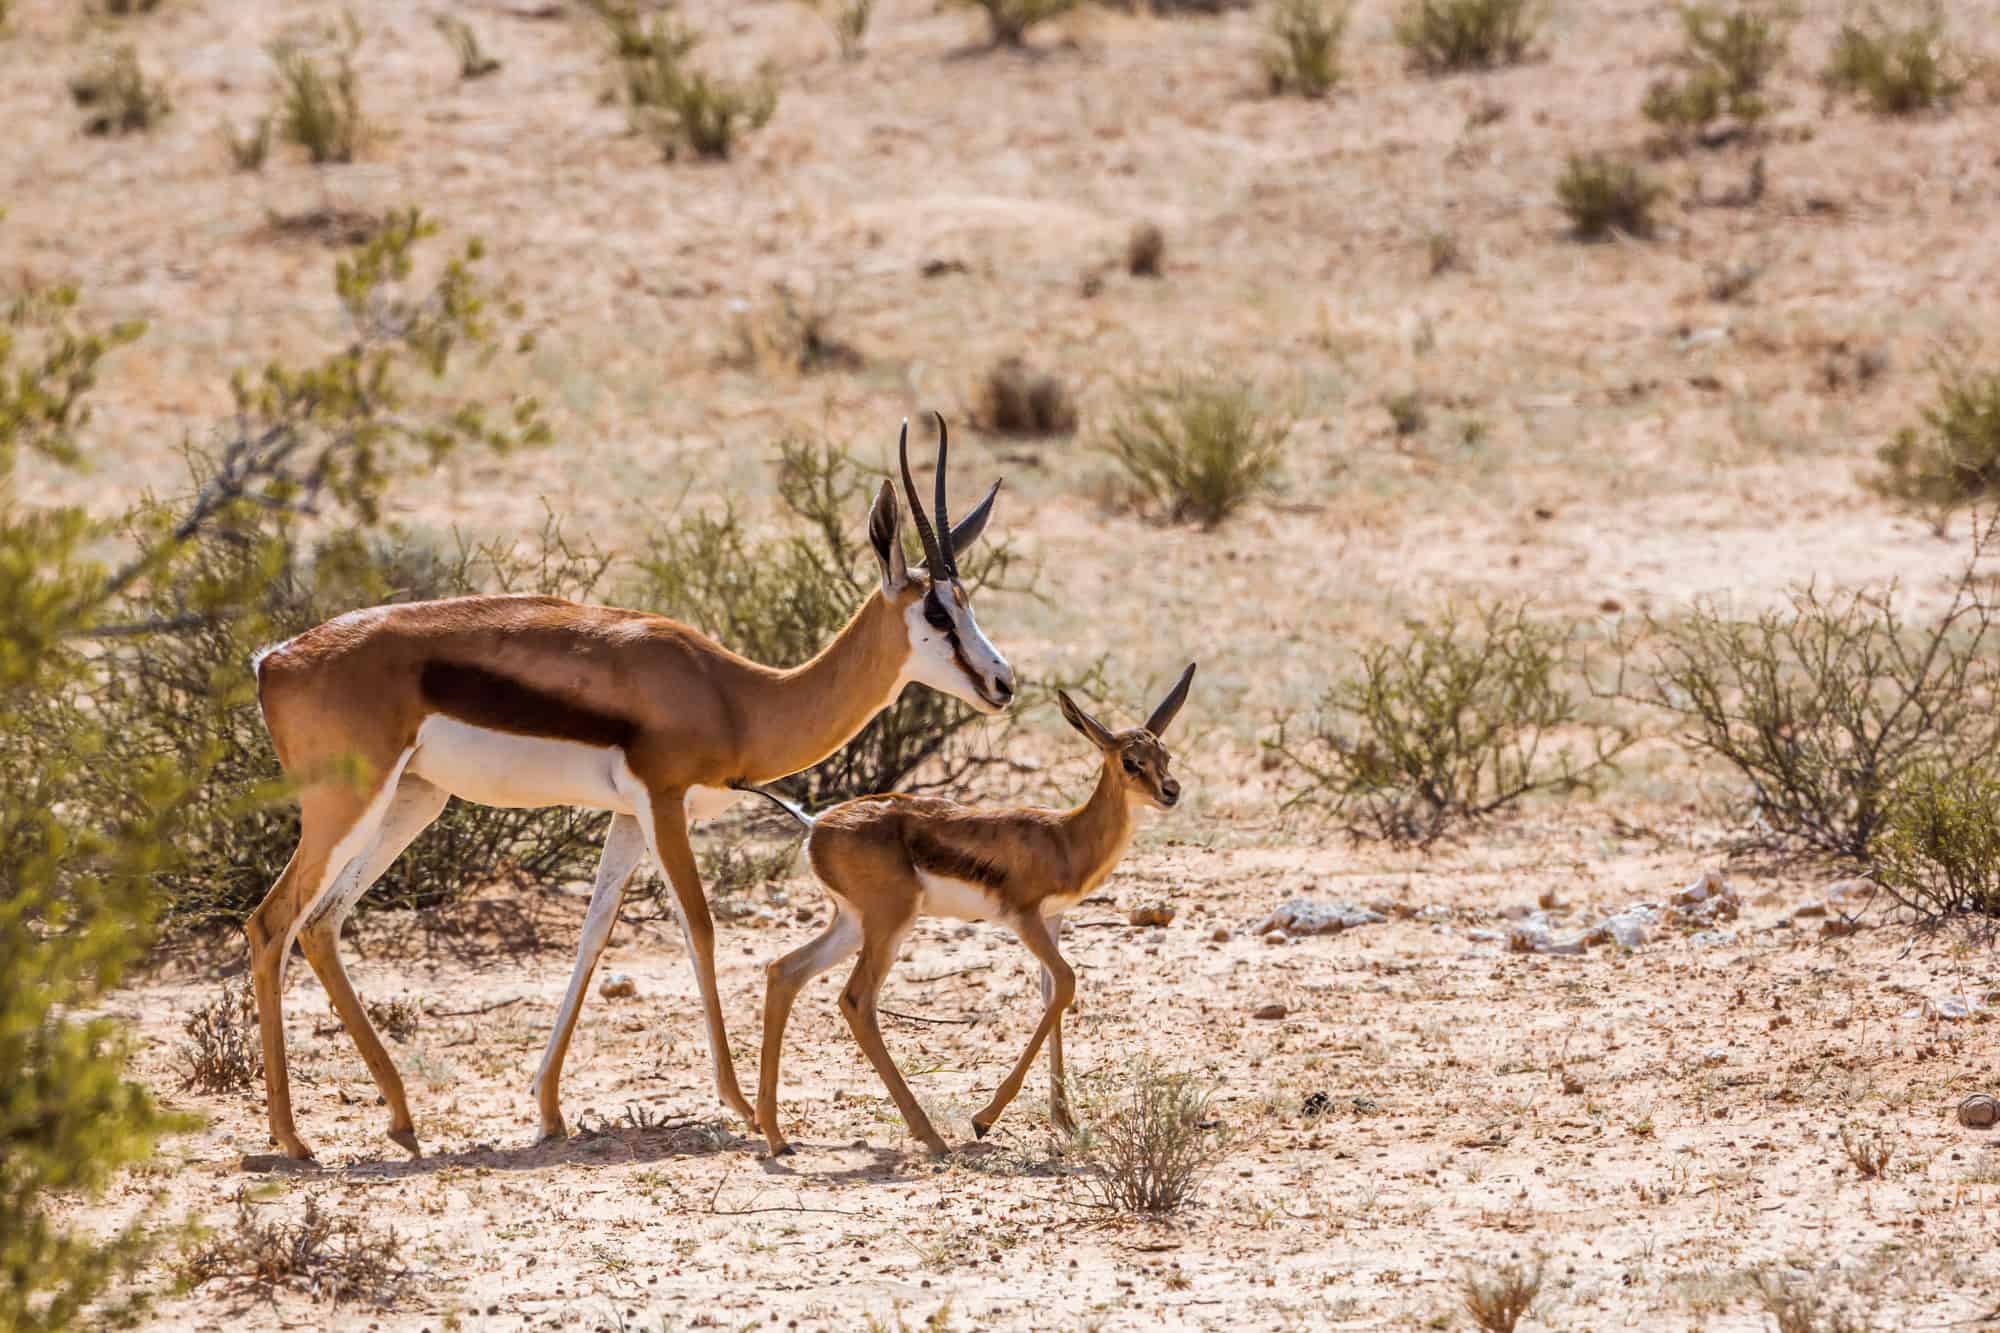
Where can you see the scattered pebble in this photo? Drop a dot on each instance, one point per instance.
(1275, 1009)
(1150, 914)
(1979, 1111)
(618, 986)
(1304, 916)
(1276, 937)
(1572, 1085)
(1220, 935)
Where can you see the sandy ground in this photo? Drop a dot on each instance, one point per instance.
(1603, 436)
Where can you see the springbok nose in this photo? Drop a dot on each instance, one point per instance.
(1002, 687)
(1171, 790)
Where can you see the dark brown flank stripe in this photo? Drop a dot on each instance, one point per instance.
(488, 699)
(927, 853)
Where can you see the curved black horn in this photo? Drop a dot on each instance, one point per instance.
(938, 506)
(1171, 705)
(933, 554)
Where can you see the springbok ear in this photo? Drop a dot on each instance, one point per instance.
(888, 543)
(966, 531)
(1093, 730)
(1171, 705)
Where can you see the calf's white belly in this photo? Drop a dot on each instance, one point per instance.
(944, 896)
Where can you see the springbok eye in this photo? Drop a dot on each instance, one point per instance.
(935, 613)
(1131, 767)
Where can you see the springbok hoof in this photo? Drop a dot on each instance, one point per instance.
(407, 1140)
(978, 1130)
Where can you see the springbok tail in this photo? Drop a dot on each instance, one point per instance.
(778, 801)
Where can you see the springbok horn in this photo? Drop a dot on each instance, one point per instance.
(938, 507)
(933, 555)
(1169, 706)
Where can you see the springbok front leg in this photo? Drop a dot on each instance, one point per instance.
(1034, 932)
(857, 1006)
(416, 804)
(668, 832)
(1059, 1115)
(783, 979)
(624, 846)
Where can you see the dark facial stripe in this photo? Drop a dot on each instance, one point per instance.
(927, 853)
(488, 699)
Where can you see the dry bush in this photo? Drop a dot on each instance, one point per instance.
(249, 151)
(1199, 449)
(1727, 57)
(1457, 720)
(1303, 52)
(850, 26)
(1145, 250)
(734, 866)
(1938, 853)
(396, 1019)
(473, 62)
(318, 112)
(1406, 411)
(1019, 400)
(1868, 1153)
(1823, 707)
(1601, 196)
(1954, 458)
(793, 334)
(1897, 69)
(1443, 35)
(222, 1050)
(1443, 251)
(129, 8)
(1498, 1302)
(1804, 1305)
(1146, 1146)
(1169, 8)
(334, 1258)
(1008, 21)
(116, 95)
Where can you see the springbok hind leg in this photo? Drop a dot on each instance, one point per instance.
(416, 804)
(857, 1005)
(781, 986)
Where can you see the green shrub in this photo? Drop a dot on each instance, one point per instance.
(1939, 848)
(248, 151)
(1199, 449)
(1008, 21)
(1455, 721)
(1954, 458)
(1727, 58)
(117, 96)
(1601, 196)
(473, 62)
(1824, 706)
(1467, 34)
(1303, 56)
(677, 107)
(1146, 1146)
(780, 599)
(1896, 69)
(320, 114)
(1019, 400)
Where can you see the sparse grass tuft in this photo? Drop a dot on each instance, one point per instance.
(850, 26)
(1601, 196)
(1455, 721)
(1727, 58)
(117, 97)
(1867, 1152)
(1939, 851)
(1200, 449)
(1802, 1305)
(473, 62)
(1146, 1146)
(1499, 1302)
(249, 151)
(222, 1050)
(1020, 400)
(1008, 21)
(1443, 35)
(1145, 250)
(1896, 69)
(1442, 248)
(396, 1019)
(793, 334)
(1954, 458)
(129, 8)
(318, 112)
(1406, 411)
(680, 108)
(330, 1257)
(1303, 55)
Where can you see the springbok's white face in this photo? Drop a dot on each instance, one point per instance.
(948, 651)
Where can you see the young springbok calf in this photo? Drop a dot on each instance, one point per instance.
(887, 860)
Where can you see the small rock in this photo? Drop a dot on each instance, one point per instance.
(1150, 914)
(1572, 1085)
(1810, 909)
(1548, 901)
(1949, 1008)
(1276, 937)
(804, 913)
(1303, 916)
(1275, 1009)
(1713, 939)
(1220, 935)
(1979, 1111)
(1316, 1104)
(618, 986)
(1833, 929)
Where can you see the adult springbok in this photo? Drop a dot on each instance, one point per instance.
(525, 701)
(887, 860)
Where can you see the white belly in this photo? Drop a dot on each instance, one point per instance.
(518, 772)
(956, 898)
